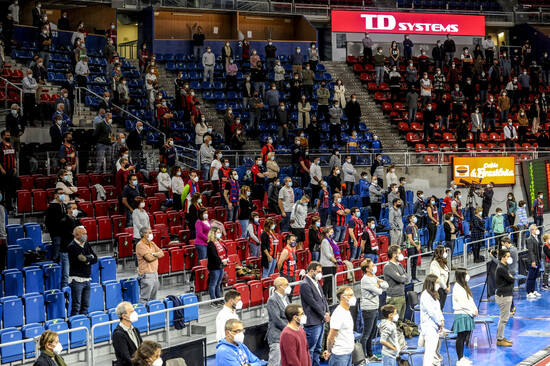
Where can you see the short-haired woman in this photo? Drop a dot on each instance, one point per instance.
(217, 259)
(246, 208)
(450, 232)
(50, 350)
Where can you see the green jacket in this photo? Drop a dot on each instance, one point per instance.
(308, 76)
(323, 94)
(497, 224)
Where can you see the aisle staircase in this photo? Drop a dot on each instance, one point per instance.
(372, 114)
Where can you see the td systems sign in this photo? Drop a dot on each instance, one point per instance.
(410, 23)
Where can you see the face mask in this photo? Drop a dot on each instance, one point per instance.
(372, 226)
(400, 257)
(227, 164)
(218, 235)
(339, 200)
(62, 197)
(58, 348)
(157, 362)
(205, 217)
(358, 214)
(199, 200)
(134, 317)
(239, 305)
(509, 261)
(445, 255)
(395, 318)
(452, 218)
(135, 182)
(437, 286)
(84, 238)
(14, 112)
(415, 220)
(318, 276)
(290, 184)
(537, 232)
(541, 196)
(236, 177)
(288, 290)
(272, 227)
(352, 301)
(239, 338)
(150, 237)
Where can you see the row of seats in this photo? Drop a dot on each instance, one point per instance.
(491, 5)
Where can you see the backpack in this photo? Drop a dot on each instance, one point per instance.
(179, 323)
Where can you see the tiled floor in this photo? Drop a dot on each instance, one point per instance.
(529, 329)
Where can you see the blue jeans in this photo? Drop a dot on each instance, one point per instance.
(244, 226)
(530, 284)
(354, 251)
(388, 361)
(285, 223)
(373, 257)
(201, 251)
(323, 213)
(340, 360)
(270, 269)
(56, 245)
(369, 330)
(315, 256)
(232, 213)
(64, 269)
(379, 74)
(339, 233)
(80, 294)
(314, 336)
(205, 171)
(215, 282)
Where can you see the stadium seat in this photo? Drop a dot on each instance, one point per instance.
(15, 257)
(256, 292)
(14, 232)
(31, 331)
(55, 304)
(130, 290)
(190, 313)
(113, 294)
(97, 302)
(124, 246)
(13, 282)
(14, 352)
(35, 311)
(78, 338)
(52, 276)
(141, 324)
(245, 294)
(107, 269)
(100, 333)
(58, 325)
(34, 279)
(12, 311)
(104, 228)
(34, 232)
(156, 321)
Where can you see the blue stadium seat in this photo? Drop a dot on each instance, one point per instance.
(34, 279)
(107, 269)
(13, 282)
(78, 338)
(34, 308)
(31, 331)
(169, 304)
(55, 304)
(14, 352)
(141, 324)
(14, 232)
(156, 321)
(97, 296)
(113, 316)
(12, 311)
(113, 294)
(67, 294)
(58, 325)
(101, 333)
(52, 276)
(33, 231)
(26, 244)
(95, 272)
(191, 313)
(130, 290)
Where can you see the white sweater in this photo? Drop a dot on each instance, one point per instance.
(164, 182)
(462, 303)
(177, 185)
(441, 273)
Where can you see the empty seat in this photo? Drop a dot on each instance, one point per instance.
(113, 294)
(26, 244)
(12, 311)
(78, 338)
(34, 279)
(14, 232)
(31, 331)
(100, 333)
(107, 269)
(13, 282)
(156, 321)
(34, 232)
(14, 352)
(58, 325)
(130, 290)
(96, 298)
(191, 313)
(15, 257)
(34, 308)
(52, 276)
(141, 324)
(55, 304)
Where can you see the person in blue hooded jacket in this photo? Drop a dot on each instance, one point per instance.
(364, 185)
(231, 350)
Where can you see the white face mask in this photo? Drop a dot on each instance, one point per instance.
(157, 362)
(239, 338)
(205, 216)
(288, 290)
(75, 213)
(445, 255)
(437, 286)
(303, 319)
(509, 260)
(352, 301)
(537, 232)
(467, 278)
(318, 276)
(134, 317)
(400, 257)
(142, 205)
(58, 348)
(150, 237)
(395, 318)
(239, 305)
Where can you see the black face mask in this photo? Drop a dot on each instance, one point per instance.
(7, 139)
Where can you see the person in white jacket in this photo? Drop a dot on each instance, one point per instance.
(440, 268)
(177, 187)
(340, 93)
(349, 176)
(431, 321)
(465, 310)
(164, 181)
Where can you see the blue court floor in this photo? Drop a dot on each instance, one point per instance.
(529, 329)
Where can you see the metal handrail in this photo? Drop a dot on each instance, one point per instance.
(131, 45)
(79, 103)
(6, 82)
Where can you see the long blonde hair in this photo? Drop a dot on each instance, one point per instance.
(212, 234)
(243, 194)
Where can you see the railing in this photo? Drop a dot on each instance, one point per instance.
(6, 83)
(188, 157)
(80, 91)
(128, 49)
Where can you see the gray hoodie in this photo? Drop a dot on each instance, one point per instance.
(388, 334)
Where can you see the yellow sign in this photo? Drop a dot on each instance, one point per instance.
(484, 169)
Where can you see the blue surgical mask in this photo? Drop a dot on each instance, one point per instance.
(358, 214)
(135, 182)
(84, 238)
(339, 200)
(62, 197)
(318, 223)
(372, 226)
(290, 184)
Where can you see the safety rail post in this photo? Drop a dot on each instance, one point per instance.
(409, 269)
(20, 91)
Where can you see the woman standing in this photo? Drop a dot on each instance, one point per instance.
(148, 354)
(511, 209)
(193, 214)
(391, 177)
(371, 289)
(63, 182)
(217, 259)
(215, 167)
(254, 233)
(431, 319)
(450, 232)
(177, 187)
(394, 54)
(314, 234)
(440, 269)
(477, 233)
(330, 258)
(246, 208)
(270, 247)
(340, 93)
(272, 167)
(465, 310)
(334, 182)
(140, 218)
(202, 228)
(50, 350)
(201, 128)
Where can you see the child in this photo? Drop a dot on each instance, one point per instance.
(545, 260)
(164, 181)
(497, 224)
(388, 335)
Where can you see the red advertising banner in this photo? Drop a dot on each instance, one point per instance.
(344, 21)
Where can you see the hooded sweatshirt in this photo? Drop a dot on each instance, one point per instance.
(228, 354)
(388, 333)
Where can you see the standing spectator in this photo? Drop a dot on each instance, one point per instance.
(504, 295)
(412, 75)
(395, 54)
(396, 277)
(440, 269)
(279, 76)
(458, 102)
(37, 14)
(272, 100)
(503, 105)
(297, 60)
(15, 126)
(202, 228)
(334, 181)
(355, 233)
(67, 225)
(429, 123)
(487, 200)
(389, 338)
(82, 71)
(54, 213)
(102, 135)
(308, 77)
(340, 339)
(246, 50)
(316, 309)
(426, 90)
(438, 54)
(450, 48)
(287, 264)
(439, 84)
(68, 189)
(254, 233)
(298, 218)
(367, 48)
(313, 56)
(164, 181)
(323, 203)
(433, 220)
(335, 116)
(259, 77)
(444, 110)
(140, 219)
(126, 338)
(129, 194)
(217, 259)
(412, 239)
(269, 247)
(148, 254)
(330, 258)
(256, 107)
(81, 259)
(13, 10)
(232, 302)
(194, 207)
(450, 231)
(379, 61)
(431, 319)
(396, 222)
(370, 241)
(198, 40)
(30, 87)
(511, 208)
(270, 55)
(395, 83)
(412, 104)
(316, 177)
(465, 310)
(323, 95)
(231, 195)
(50, 350)
(525, 83)
(245, 209)
(208, 62)
(353, 112)
(286, 203)
(201, 129)
(340, 93)
(276, 305)
(546, 260)
(303, 113)
(371, 289)
(206, 154)
(272, 168)
(293, 341)
(477, 234)
(477, 124)
(535, 115)
(254, 59)
(510, 136)
(227, 53)
(338, 218)
(376, 193)
(168, 153)
(534, 255)
(490, 113)
(407, 47)
(314, 236)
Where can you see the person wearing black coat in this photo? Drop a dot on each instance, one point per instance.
(314, 235)
(477, 232)
(50, 349)
(126, 338)
(37, 14)
(353, 112)
(534, 255)
(438, 55)
(54, 213)
(66, 227)
(56, 135)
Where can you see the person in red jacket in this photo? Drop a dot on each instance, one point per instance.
(267, 148)
(164, 115)
(293, 342)
(447, 202)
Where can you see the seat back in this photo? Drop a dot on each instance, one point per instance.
(12, 311)
(97, 296)
(14, 352)
(34, 308)
(13, 282)
(31, 331)
(101, 333)
(130, 290)
(55, 304)
(52, 276)
(34, 279)
(107, 269)
(113, 294)
(78, 338)
(156, 321)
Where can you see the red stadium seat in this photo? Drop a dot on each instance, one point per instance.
(27, 182)
(176, 260)
(113, 206)
(245, 294)
(173, 218)
(184, 236)
(153, 204)
(83, 193)
(101, 208)
(105, 228)
(221, 214)
(24, 201)
(95, 179)
(124, 245)
(86, 207)
(254, 262)
(164, 263)
(230, 247)
(231, 271)
(230, 229)
(266, 284)
(160, 217)
(189, 256)
(119, 223)
(256, 292)
(91, 227)
(39, 200)
(242, 249)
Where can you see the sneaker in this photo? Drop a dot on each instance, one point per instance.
(507, 340)
(504, 343)
(545, 288)
(537, 294)
(467, 361)
(531, 296)
(374, 358)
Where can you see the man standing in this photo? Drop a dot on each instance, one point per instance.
(198, 40)
(286, 202)
(129, 193)
(232, 299)
(407, 47)
(379, 61)
(135, 139)
(450, 48)
(294, 349)
(126, 338)
(29, 97)
(15, 125)
(8, 169)
(270, 55)
(504, 295)
(396, 277)
(297, 60)
(353, 112)
(338, 218)
(67, 225)
(367, 48)
(54, 213)
(102, 135)
(534, 255)
(487, 199)
(316, 309)
(396, 222)
(538, 209)
(231, 195)
(510, 135)
(340, 340)
(81, 259)
(276, 305)
(355, 231)
(231, 350)
(67, 152)
(208, 62)
(82, 71)
(148, 255)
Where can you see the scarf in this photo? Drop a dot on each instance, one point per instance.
(335, 250)
(372, 238)
(57, 358)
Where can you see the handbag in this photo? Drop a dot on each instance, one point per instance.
(358, 355)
